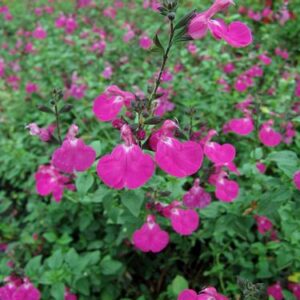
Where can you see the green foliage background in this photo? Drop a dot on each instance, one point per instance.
(84, 241)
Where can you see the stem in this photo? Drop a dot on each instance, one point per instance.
(57, 123)
(165, 59)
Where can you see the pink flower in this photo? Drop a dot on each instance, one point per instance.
(150, 237)
(229, 68)
(296, 179)
(107, 72)
(263, 224)
(69, 295)
(50, 181)
(265, 59)
(209, 293)
(282, 53)
(226, 190)
(196, 197)
(31, 88)
(70, 25)
(109, 104)
(261, 167)
(26, 292)
(275, 291)
(145, 42)
(39, 33)
(110, 12)
(236, 34)
(45, 134)
(184, 222)
(295, 289)
(243, 126)
(60, 21)
(179, 159)
(73, 155)
(268, 136)
(127, 166)
(219, 154)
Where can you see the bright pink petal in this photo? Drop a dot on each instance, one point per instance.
(126, 167)
(107, 108)
(238, 35)
(227, 190)
(184, 222)
(188, 295)
(73, 155)
(197, 28)
(179, 159)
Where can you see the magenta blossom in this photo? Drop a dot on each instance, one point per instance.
(73, 155)
(209, 293)
(109, 104)
(261, 167)
(127, 166)
(31, 88)
(218, 154)
(179, 159)
(39, 33)
(196, 197)
(184, 221)
(242, 126)
(296, 179)
(45, 134)
(150, 237)
(226, 190)
(50, 181)
(275, 291)
(69, 295)
(295, 289)
(17, 289)
(264, 224)
(237, 34)
(145, 42)
(268, 136)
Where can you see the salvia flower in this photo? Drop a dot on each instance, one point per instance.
(127, 166)
(150, 237)
(264, 224)
(295, 289)
(109, 104)
(179, 159)
(74, 154)
(275, 291)
(196, 197)
(237, 34)
(268, 136)
(17, 289)
(184, 221)
(49, 180)
(209, 293)
(296, 179)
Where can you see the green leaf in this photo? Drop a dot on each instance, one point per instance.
(110, 266)
(51, 237)
(287, 161)
(84, 182)
(58, 291)
(133, 201)
(66, 108)
(96, 145)
(185, 20)
(179, 284)
(56, 260)
(33, 266)
(45, 109)
(158, 44)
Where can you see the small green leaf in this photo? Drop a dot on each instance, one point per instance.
(110, 266)
(45, 109)
(84, 182)
(133, 201)
(158, 44)
(179, 284)
(185, 20)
